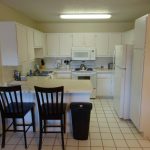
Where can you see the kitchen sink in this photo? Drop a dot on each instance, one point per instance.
(43, 73)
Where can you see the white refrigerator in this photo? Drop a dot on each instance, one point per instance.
(122, 80)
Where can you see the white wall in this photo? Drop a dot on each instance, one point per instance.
(9, 14)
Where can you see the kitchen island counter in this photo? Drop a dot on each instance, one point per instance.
(74, 91)
(70, 85)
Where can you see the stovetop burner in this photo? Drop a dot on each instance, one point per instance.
(88, 69)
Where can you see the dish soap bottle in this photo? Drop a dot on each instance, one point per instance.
(42, 64)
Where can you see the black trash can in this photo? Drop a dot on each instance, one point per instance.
(80, 112)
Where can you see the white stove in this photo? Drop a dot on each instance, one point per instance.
(88, 74)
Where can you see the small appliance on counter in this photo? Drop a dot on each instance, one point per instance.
(17, 75)
(110, 65)
(42, 66)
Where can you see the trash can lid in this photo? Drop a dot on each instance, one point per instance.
(81, 105)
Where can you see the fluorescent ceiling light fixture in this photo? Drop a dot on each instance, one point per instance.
(85, 16)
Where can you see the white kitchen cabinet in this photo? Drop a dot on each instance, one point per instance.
(59, 44)
(84, 40)
(102, 44)
(52, 44)
(63, 75)
(104, 84)
(38, 39)
(140, 31)
(13, 43)
(136, 87)
(115, 38)
(128, 37)
(140, 95)
(65, 44)
(30, 40)
(22, 42)
(41, 52)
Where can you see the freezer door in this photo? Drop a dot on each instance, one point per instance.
(119, 84)
(120, 56)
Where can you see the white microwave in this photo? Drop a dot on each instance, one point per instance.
(83, 53)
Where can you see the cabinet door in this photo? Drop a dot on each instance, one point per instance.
(128, 37)
(65, 44)
(102, 44)
(8, 44)
(140, 32)
(104, 85)
(22, 42)
(63, 75)
(89, 39)
(52, 44)
(83, 40)
(114, 39)
(30, 37)
(38, 43)
(78, 40)
(136, 87)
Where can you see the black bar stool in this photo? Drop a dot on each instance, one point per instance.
(13, 107)
(51, 107)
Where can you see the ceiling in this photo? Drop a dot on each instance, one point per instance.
(49, 10)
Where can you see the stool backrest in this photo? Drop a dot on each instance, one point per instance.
(11, 99)
(50, 99)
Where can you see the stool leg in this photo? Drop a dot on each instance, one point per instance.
(40, 137)
(62, 134)
(14, 124)
(24, 131)
(64, 122)
(33, 119)
(4, 133)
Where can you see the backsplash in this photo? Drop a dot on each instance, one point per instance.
(52, 62)
(6, 72)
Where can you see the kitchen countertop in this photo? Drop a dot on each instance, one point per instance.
(70, 85)
(99, 70)
(64, 70)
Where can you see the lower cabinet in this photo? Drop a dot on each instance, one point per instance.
(104, 84)
(62, 75)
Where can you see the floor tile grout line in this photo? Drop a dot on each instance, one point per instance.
(109, 129)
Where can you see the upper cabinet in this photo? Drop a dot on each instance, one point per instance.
(22, 43)
(13, 43)
(58, 44)
(140, 32)
(115, 38)
(17, 42)
(128, 37)
(38, 39)
(105, 43)
(65, 40)
(30, 40)
(102, 44)
(52, 44)
(84, 40)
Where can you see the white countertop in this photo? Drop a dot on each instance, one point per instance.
(70, 85)
(104, 70)
(64, 70)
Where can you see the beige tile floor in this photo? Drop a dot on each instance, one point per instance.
(107, 132)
